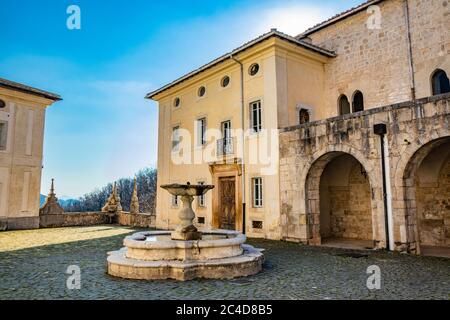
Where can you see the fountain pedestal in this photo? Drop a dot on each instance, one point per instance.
(186, 231)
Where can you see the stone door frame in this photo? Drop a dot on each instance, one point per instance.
(224, 170)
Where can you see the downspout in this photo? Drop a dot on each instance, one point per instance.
(381, 130)
(410, 52)
(243, 142)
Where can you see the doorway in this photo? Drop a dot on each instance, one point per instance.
(227, 203)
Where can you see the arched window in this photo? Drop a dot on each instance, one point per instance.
(303, 116)
(344, 105)
(439, 82)
(358, 101)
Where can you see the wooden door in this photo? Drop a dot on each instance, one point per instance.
(227, 203)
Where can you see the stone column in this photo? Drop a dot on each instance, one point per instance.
(134, 205)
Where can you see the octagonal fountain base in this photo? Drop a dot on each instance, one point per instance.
(221, 254)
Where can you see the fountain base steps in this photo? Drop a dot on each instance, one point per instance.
(248, 263)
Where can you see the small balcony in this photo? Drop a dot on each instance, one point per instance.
(225, 146)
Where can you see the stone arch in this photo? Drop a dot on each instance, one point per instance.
(312, 177)
(405, 182)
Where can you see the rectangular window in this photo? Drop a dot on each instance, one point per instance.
(226, 129)
(3, 134)
(201, 199)
(257, 192)
(176, 138)
(201, 130)
(174, 201)
(255, 116)
(226, 143)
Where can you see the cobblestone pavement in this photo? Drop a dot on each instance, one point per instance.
(33, 266)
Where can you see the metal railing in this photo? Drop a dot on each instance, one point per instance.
(225, 146)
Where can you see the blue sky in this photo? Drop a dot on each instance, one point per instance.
(105, 129)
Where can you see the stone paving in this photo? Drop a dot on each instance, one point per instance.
(33, 266)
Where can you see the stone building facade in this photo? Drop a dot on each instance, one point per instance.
(378, 60)
(22, 118)
(377, 73)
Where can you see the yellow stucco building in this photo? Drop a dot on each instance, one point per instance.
(265, 62)
(22, 118)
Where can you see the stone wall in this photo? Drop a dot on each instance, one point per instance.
(433, 207)
(430, 38)
(142, 220)
(414, 129)
(376, 61)
(73, 219)
(350, 212)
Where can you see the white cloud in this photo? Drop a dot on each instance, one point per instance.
(292, 19)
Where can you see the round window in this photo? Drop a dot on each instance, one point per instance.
(253, 70)
(176, 102)
(225, 81)
(2, 104)
(201, 91)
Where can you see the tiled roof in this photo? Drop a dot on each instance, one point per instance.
(26, 89)
(272, 33)
(338, 17)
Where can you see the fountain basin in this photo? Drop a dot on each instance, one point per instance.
(186, 253)
(158, 245)
(221, 254)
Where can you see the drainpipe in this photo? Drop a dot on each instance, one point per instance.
(243, 141)
(381, 130)
(410, 53)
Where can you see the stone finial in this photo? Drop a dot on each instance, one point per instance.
(134, 205)
(113, 205)
(51, 205)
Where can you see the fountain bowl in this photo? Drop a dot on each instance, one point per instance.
(187, 189)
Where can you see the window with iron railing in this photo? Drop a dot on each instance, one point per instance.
(225, 146)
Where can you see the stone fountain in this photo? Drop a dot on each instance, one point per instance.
(185, 253)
